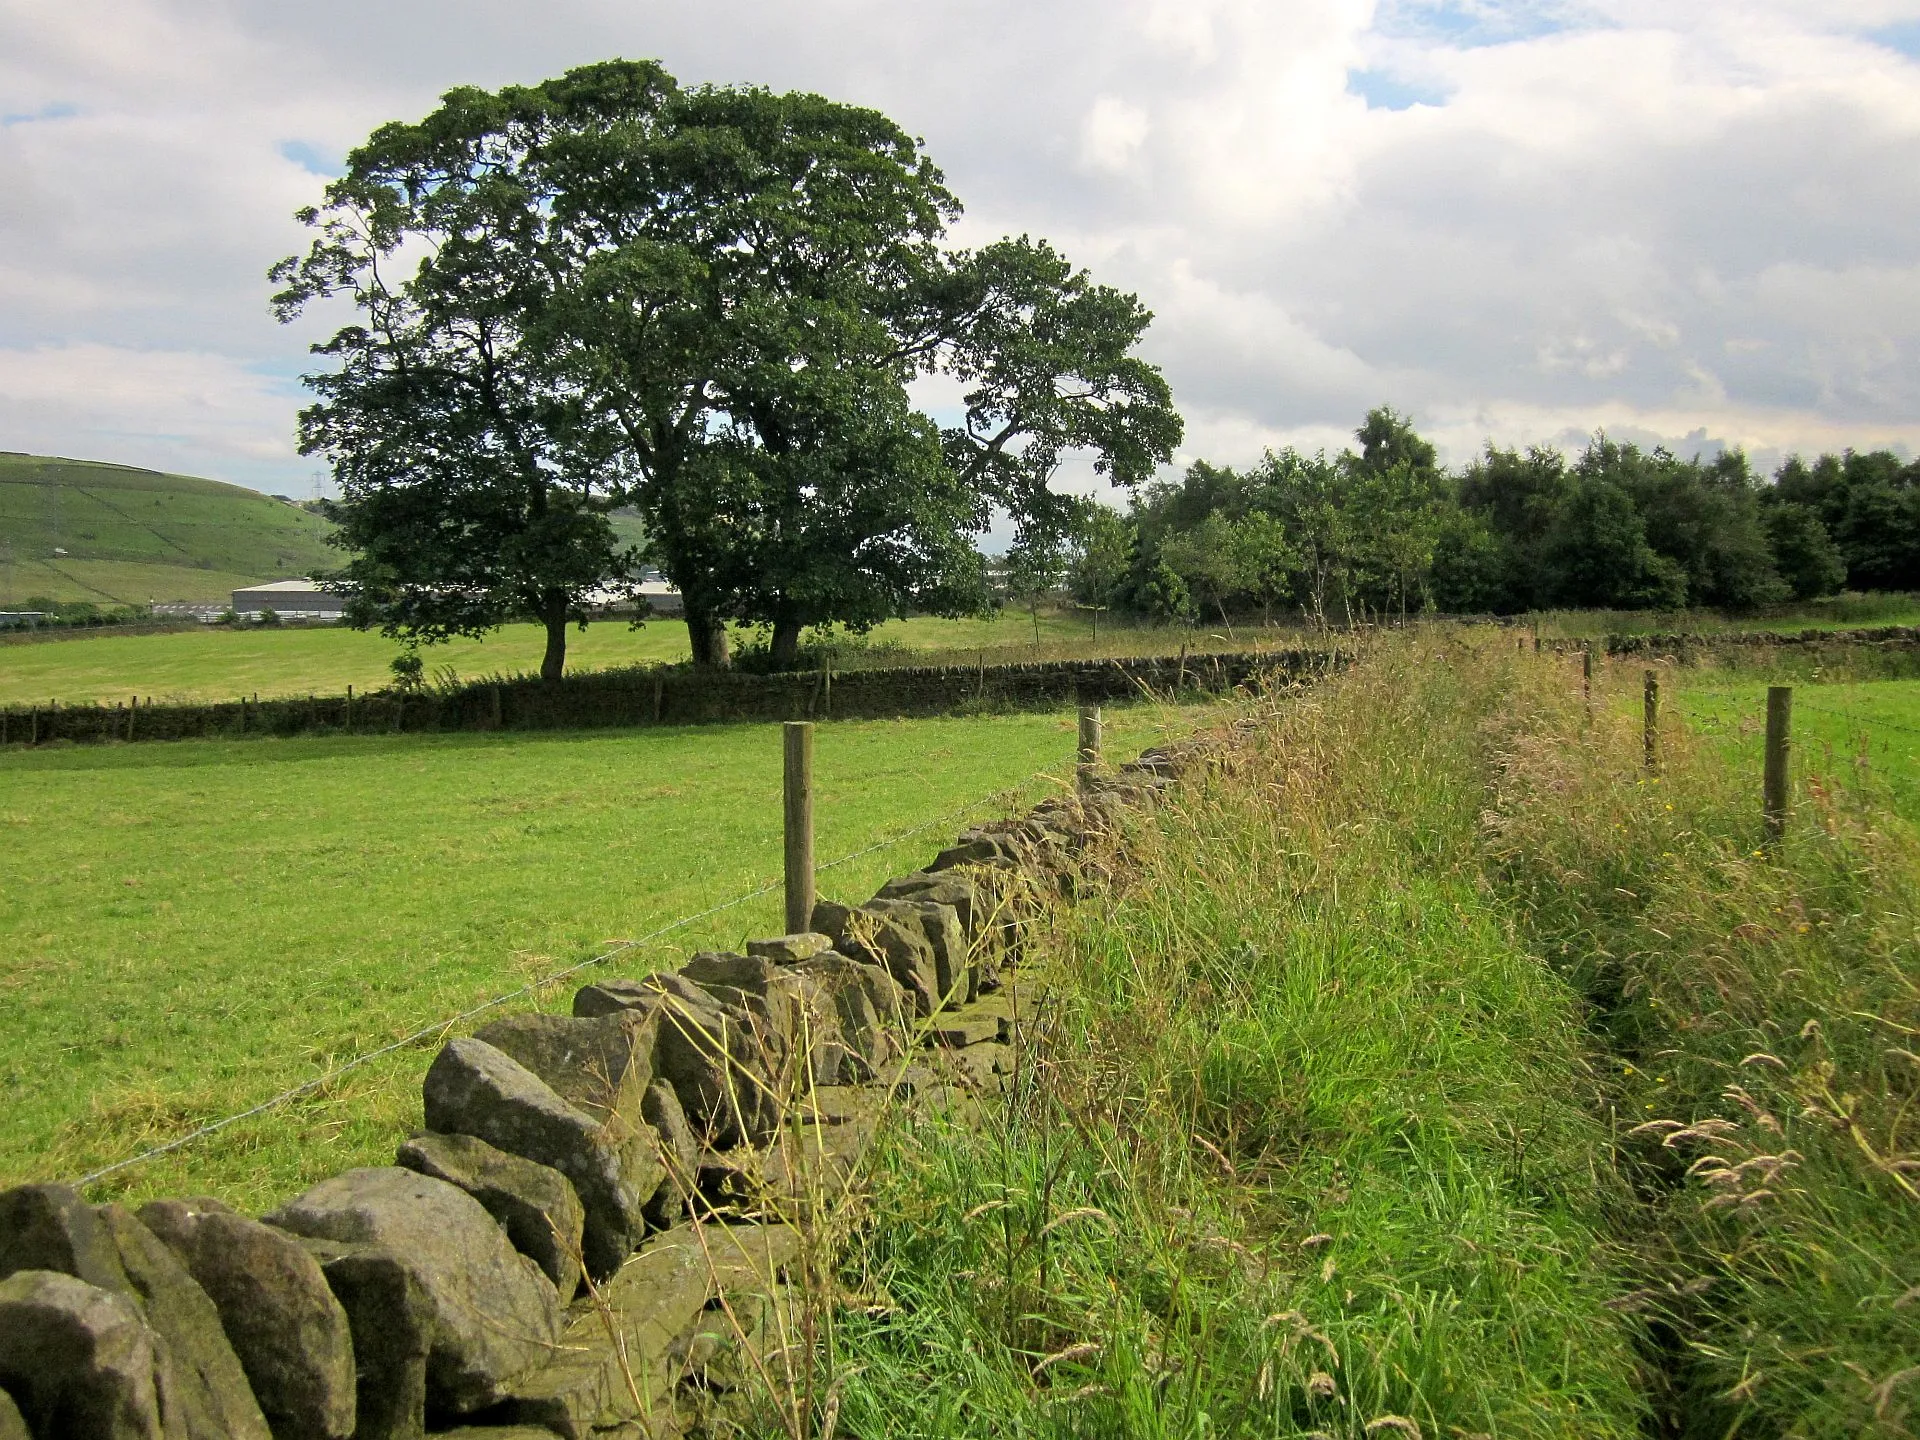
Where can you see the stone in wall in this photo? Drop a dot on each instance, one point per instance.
(283, 1322)
(203, 1389)
(475, 1089)
(79, 1360)
(901, 949)
(535, 1204)
(392, 1320)
(495, 1315)
(206, 1389)
(705, 1049)
(956, 980)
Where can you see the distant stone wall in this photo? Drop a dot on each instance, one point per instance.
(669, 696)
(611, 1220)
(1899, 637)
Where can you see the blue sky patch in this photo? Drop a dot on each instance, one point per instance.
(1904, 37)
(58, 111)
(1383, 90)
(1472, 24)
(312, 158)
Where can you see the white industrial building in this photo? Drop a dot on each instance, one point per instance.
(307, 600)
(290, 600)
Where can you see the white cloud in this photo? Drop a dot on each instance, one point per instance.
(1112, 134)
(1667, 220)
(168, 410)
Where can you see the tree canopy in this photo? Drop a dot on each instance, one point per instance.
(708, 303)
(1384, 527)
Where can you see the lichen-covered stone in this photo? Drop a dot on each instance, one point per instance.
(600, 1065)
(535, 1204)
(495, 1314)
(790, 949)
(204, 1385)
(79, 1360)
(955, 978)
(901, 948)
(49, 1227)
(283, 1321)
(679, 1153)
(392, 1319)
(716, 1057)
(870, 1011)
(474, 1089)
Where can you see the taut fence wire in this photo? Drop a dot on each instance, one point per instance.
(532, 987)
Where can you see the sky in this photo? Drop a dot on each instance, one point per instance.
(1690, 222)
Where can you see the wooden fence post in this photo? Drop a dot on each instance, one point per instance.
(1779, 743)
(798, 796)
(1650, 737)
(1089, 744)
(499, 719)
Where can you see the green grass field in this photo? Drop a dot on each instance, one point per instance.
(218, 663)
(139, 536)
(1836, 612)
(190, 928)
(1863, 738)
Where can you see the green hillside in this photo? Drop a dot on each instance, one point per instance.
(138, 536)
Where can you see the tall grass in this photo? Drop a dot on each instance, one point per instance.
(1310, 1142)
(1764, 1017)
(1432, 1068)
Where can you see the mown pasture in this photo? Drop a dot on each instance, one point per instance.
(220, 663)
(1861, 737)
(192, 927)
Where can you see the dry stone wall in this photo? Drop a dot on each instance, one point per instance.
(666, 696)
(601, 1230)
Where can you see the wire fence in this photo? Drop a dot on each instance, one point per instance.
(531, 988)
(1865, 722)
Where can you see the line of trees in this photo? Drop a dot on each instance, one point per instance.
(706, 304)
(1384, 527)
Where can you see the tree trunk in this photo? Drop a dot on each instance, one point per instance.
(553, 614)
(786, 645)
(707, 634)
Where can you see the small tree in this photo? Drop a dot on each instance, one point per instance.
(1035, 564)
(1102, 558)
(1166, 596)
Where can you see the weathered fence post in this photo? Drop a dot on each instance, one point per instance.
(349, 709)
(499, 719)
(798, 797)
(1089, 744)
(33, 726)
(1650, 737)
(1779, 743)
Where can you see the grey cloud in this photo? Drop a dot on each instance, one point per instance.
(1626, 213)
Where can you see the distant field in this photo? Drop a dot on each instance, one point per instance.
(138, 536)
(1838, 612)
(217, 663)
(1863, 737)
(192, 927)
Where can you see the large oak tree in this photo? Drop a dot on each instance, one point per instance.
(713, 302)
